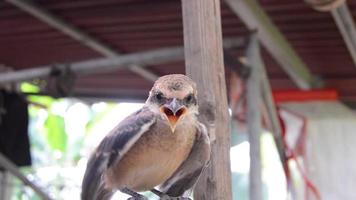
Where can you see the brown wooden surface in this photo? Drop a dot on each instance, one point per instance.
(204, 63)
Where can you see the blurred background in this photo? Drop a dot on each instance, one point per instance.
(71, 70)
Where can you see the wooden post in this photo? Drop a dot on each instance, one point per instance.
(204, 64)
(254, 120)
(5, 185)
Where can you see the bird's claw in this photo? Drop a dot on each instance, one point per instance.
(137, 198)
(166, 197)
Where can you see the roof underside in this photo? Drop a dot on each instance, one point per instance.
(137, 25)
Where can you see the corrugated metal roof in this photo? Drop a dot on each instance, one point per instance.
(136, 25)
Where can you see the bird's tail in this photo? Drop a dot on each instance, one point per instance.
(93, 187)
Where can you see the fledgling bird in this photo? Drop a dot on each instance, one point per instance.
(162, 144)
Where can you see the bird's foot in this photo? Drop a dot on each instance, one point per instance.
(166, 197)
(163, 196)
(134, 195)
(137, 198)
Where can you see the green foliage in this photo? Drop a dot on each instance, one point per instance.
(53, 128)
(56, 134)
(28, 87)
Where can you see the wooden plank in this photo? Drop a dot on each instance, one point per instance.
(204, 63)
(253, 15)
(254, 120)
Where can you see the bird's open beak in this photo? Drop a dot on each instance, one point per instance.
(173, 111)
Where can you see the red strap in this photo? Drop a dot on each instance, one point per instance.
(292, 155)
(309, 184)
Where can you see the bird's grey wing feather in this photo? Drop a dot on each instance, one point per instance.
(189, 172)
(111, 149)
(122, 137)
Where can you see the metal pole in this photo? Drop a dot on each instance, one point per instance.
(253, 15)
(254, 120)
(108, 64)
(343, 19)
(12, 168)
(271, 107)
(98, 65)
(274, 121)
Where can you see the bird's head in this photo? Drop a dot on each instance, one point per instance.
(174, 97)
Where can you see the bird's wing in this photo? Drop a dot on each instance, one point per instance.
(111, 149)
(189, 172)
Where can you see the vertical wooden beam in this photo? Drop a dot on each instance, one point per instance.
(254, 120)
(5, 185)
(204, 64)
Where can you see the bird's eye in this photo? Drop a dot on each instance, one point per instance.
(159, 96)
(189, 98)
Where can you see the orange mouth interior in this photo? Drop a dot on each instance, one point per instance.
(173, 118)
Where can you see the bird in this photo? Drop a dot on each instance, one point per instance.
(162, 147)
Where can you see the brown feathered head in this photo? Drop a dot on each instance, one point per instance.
(174, 97)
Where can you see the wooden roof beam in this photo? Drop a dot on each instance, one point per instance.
(343, 19)
(77, 34)
(253, 15)
(346, 24)
(151, 57)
